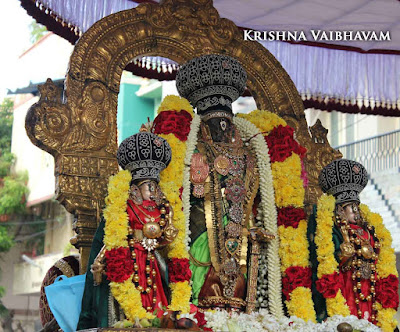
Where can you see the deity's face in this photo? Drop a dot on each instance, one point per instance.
(352, 212)
(220, 129)
(148, 190)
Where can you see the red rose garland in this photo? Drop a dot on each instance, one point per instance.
(290, 216)
(282, 144)
(173, 122)
(296, 276)
(329, 285)
(119, 264)
(179, 270)
(177, 123)
(387, 291)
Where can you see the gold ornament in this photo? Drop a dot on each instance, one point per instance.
(152, 230)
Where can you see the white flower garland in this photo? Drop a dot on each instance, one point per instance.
(260, 147)
(190, 147)
(258, 144)
(262, 321)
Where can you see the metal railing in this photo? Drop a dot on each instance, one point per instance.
(376, 153)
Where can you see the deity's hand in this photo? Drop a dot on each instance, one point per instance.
(260, 235)
(97, 269)
(347, 250)
(170, 233)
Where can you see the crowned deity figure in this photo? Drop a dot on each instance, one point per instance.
(355, 270)
(224, 184)
(136, 224)
(235, 185)
(240, 178)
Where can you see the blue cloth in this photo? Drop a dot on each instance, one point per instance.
(65, 299)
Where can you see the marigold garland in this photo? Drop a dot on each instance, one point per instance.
(265, 121)
(171, 181)
(289, 195)
(288, 185)
(327, 264)
(300, 305)
(293, 242)
(115, 237)
(176, 103)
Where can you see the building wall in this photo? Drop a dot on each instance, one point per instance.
(346, 128)
(24, 307)
(38, 163)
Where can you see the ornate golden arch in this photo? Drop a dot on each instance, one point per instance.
(79, 128)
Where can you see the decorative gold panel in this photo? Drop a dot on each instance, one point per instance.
(78, 127)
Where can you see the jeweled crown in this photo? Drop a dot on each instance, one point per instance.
(211, 82)
(344, 179)
(145, 155)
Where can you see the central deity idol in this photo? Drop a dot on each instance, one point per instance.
(225, 183)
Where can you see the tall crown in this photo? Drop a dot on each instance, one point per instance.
(211, 82)
(145, 155)
(344, 179)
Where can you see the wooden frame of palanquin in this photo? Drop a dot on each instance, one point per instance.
(78, 127)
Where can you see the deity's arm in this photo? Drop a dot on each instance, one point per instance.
(344, 250)
(94, 300)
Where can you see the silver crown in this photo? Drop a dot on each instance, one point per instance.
(145, 155)
(344, 179)
(211, 81)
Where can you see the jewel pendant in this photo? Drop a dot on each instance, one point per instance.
(231, 245)
(198, 190)
(221, 164)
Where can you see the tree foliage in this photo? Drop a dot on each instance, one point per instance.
(37, 31)
(12, 194)
(6, 121)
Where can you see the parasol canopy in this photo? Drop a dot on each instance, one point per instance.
(330, 73)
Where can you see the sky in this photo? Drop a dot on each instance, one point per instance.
(14, 39)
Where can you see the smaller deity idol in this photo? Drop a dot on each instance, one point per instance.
(149, 228)
(349, 278)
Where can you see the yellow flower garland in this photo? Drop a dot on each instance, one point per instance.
(385, 266)
(171, 180)
(265, 121)
(115, 236)
(288, 185)
(175, 103)
(289, 191)
(293, 242)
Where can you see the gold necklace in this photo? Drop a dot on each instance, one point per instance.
(152, 219)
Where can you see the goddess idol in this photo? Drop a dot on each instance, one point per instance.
(355, 267)
(124, 256)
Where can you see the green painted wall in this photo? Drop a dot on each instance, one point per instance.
(133, 111)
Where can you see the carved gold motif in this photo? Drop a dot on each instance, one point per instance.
(78, 127)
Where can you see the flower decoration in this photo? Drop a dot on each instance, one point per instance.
(179, 270)
(328, 283)
(173, 122)
(296, 277)
(288, 175)
(290, 216)
(119, 264)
